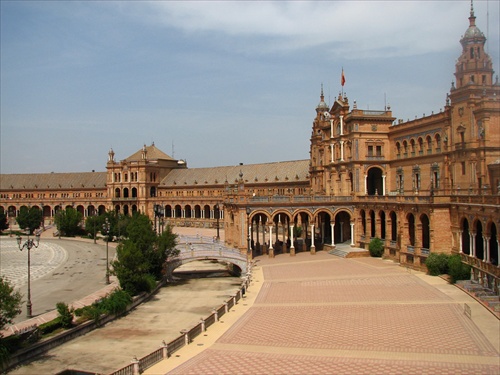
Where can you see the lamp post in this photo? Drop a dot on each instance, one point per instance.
(217, 214)
(29, 244)
(95, 222)
(106, 227)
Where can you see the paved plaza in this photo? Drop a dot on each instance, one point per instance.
(320, 314)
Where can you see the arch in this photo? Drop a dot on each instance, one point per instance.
(187, 211)
(323, 229)
(101, 209)
(152, 191)
(426, 232)
(411, 229)
(478, 240)
(117, 193)
(168, 210)
(206, 211)
(125, 192)
(405, 148)
(464, 226)
(134, 209)
(412, 147)
(125, 209)
(437, 139)
(258, 224)
(428, 140)
(81, 209)
(134, 192)
(281, 231)
(374, 183)
(342, 230)
(178, 211)
(197, 211)
(398, 150)
(420, 142)
(117, 208)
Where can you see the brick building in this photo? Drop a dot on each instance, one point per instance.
(422, 186)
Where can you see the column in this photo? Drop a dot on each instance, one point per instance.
(292, 247)
(271, 249)
(487, 249)
(313, 248)
(352, 234)
(332, 228)
(383, 184)
(331, 128)
(366, 188)
(331, 152)
(472, 237)
(460, 246)
(341, 150)
(341, 125)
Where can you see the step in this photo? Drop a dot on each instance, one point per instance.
(339, 253)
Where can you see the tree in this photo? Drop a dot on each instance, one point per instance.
(376, 247)
(141, 257)
(10, 303)
(29, 218)
(3, 222)
(68, 221)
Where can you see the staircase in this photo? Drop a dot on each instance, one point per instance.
(488, 297)
(339, 253)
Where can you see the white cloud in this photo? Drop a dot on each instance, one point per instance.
(351, 29)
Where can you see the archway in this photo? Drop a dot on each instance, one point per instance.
(374, 183)
(342, 231)
(411, 229)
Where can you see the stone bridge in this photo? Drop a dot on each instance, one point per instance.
(192, 248)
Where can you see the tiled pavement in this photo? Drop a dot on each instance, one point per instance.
(326, 315)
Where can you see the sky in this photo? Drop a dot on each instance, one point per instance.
(215, 83)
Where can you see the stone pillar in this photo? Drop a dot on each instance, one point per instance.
(292, 247)
(486, 249)
(341, 150)
(164, 346)
(472, 241)
(460, 245)
(383, 184)
(352, 234)
(135, 362)
(313, 248)
(332, 229)
(366, 184)
(271, 249)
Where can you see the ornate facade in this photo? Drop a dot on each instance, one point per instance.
(422, 186)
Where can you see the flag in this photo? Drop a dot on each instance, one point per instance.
(342, 78)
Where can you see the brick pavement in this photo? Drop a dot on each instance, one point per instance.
(321, 314)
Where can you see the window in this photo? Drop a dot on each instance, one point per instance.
(370, 150)
(379, 151)
(463, 168)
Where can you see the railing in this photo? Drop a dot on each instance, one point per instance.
(410, 249)
(140, 365)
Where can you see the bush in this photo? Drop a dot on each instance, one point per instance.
(437, 264)
(457, 270)
(50, 326)
(376, 247)
(65, 315)
(116, 302)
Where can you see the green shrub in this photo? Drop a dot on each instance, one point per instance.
(376, 247)
(50, 326)
(116, 302)
(457, 270)
(65, 314)
(437, 264)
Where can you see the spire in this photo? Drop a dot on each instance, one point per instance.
(322, 106)
(472, 18)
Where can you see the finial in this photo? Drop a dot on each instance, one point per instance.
(472, 8)
(322, 95)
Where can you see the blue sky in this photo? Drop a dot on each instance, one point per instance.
(214, 83)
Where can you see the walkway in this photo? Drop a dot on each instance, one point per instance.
(322, 314)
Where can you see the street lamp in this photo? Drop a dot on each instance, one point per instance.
(106, 227)
(29, 244)
(95, 222)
